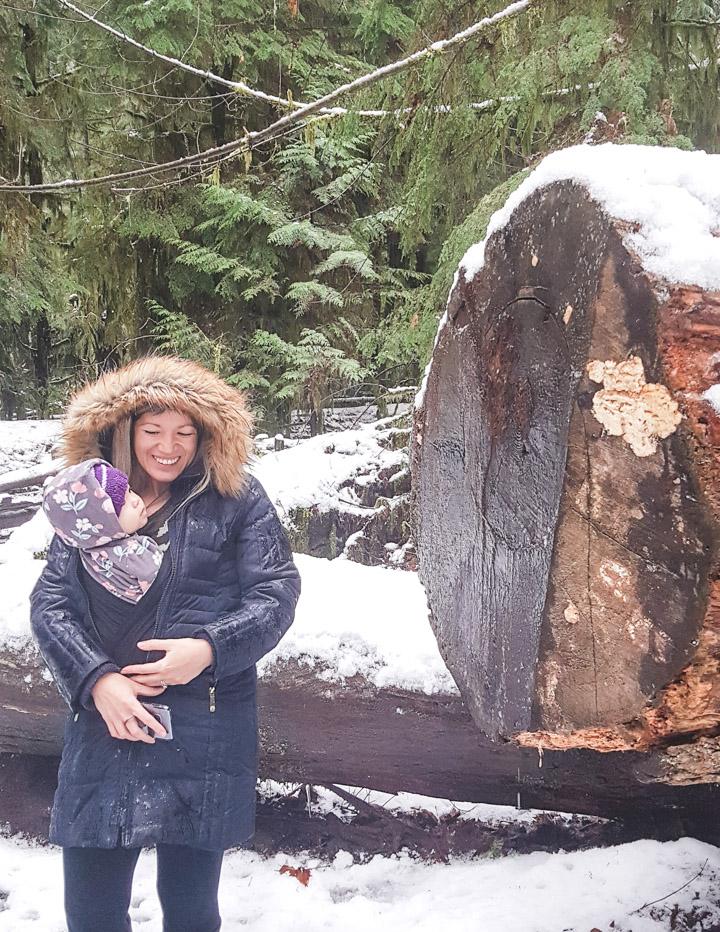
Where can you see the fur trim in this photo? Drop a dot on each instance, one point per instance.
(174, 384)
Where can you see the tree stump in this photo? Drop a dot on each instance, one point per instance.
(566, 490)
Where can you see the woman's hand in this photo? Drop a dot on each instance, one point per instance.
(185, 658)
(115, 698)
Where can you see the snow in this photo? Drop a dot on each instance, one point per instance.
(19, 571)
(313, 472)
(713, 396)
(669, 198)
(408, 804)
(26, 443)
(369, 620)
(596, 889)
(673, 195)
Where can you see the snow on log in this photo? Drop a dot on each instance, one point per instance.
(30, 476)
(565, 461)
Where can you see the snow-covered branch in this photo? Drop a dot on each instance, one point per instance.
(239, 87)
(320, 106)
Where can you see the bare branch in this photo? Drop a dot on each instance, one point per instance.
(321, 106)
(667, 896)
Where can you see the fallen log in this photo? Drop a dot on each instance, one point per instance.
(566, 477)
(353, 733)
(29, 476)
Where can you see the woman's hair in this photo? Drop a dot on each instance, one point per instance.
(123, 455)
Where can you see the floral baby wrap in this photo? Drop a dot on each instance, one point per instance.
(83, 515)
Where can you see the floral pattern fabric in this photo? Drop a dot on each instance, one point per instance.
(83, 515)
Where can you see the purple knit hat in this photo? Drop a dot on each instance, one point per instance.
(113, 482)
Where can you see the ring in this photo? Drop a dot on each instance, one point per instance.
(163, 684)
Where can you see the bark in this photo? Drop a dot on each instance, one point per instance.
(354, 734)
(566, 493)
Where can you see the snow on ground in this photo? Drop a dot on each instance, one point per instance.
(363, 619)
(600, 889)
(328, 801)
(25, 443)
(312, 472)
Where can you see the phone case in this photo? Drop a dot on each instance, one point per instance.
(162, 714)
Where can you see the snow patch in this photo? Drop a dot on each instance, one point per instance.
(602, 888)
(370, 621)
(713, 396)
(314, 472)
(669, 196)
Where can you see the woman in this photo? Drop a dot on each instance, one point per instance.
(224, 596)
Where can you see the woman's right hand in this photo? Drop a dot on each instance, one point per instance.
(115, 698)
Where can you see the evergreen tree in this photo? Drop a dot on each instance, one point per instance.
(331, 246)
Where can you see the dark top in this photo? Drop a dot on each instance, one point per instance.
(120, 624)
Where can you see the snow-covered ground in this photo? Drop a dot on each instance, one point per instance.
(314, 472)
(603, 889)
(370, 620)
(26, 443)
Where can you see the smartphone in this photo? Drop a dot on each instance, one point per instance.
(162, 714)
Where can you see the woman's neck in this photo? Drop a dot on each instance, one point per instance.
(153, 492)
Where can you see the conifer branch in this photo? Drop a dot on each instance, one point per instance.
(321, 105)
(239, 87)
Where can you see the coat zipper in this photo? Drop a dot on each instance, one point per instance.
(175, 557)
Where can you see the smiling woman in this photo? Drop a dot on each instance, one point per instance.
(225, 594)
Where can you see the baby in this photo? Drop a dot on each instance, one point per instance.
(92, 507)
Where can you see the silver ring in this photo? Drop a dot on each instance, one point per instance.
(163, 684)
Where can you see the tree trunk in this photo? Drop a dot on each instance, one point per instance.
(313, 731)
(566, 492)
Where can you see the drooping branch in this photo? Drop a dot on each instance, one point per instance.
(287, 103)
(239, 87)
(319, 106)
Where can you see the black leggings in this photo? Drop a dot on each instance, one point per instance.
(98, 883)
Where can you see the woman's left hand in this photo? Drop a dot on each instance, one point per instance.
(185, 658)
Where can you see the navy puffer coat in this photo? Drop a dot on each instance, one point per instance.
(232, 581)
(232, 578)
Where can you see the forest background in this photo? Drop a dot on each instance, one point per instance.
(317, 264)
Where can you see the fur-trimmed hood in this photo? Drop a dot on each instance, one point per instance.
(170, 383)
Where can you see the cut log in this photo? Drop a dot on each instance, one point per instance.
(567, 491)
(352, 733)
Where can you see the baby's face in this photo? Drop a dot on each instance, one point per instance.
(133, 514)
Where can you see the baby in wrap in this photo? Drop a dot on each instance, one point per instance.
(92, 507)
